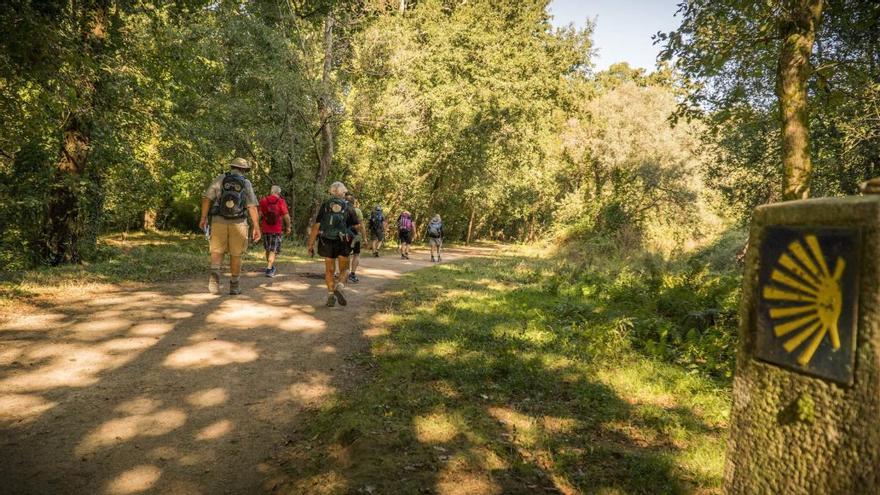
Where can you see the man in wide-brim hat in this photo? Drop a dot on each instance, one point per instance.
(230, 199)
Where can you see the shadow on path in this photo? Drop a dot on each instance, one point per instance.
(168, 389)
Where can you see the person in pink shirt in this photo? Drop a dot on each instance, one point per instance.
(274, 216)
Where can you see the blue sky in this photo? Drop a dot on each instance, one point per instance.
(623, 27)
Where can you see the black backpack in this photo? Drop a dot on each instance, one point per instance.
(376, 220)
(232, 197)
(334, 221)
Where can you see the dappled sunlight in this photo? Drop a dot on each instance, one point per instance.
(454, 482)
(250, 314)
(215, 430)
(285, 287)
(151, 328)
(437, 427)
(40, 321)
(22, 409)
(73, 365)
(303, 323)
(97, 329)
(119, 430)
(379, 273)
(138, 405)
(9, 355)
(522, 427)
(207, 398)
(312, 390)
(211, 353)
(136, 480)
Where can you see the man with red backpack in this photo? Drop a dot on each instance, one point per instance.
(273, 216)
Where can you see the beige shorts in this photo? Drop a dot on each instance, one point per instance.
(229, 237)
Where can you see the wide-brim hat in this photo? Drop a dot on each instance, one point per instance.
(240, 163)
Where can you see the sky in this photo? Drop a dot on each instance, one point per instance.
(623, 27)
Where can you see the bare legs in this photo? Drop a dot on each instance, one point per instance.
(330, 277)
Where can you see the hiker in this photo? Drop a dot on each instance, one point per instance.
(405, 228)
(357, 239)
(273, 216)
(231, 200)
(332, 231)
(378, 224)
(435, 236)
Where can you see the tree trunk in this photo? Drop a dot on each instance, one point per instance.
(402, 6)
(66, 217)
(798, 32)
(325, 111)
(471, 226)
(150, 220)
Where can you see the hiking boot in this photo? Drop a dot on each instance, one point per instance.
(331, 301)
(271, 272)
(438, 259)
(406, 256)
(266, 272)
(339, 296)
(354, 278)
(234, 288)
(432, 259)
(402, 256)
(375, 254)
(214, 283)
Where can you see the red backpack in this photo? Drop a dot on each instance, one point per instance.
(272, 214)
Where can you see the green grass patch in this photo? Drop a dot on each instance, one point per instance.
(517, 374)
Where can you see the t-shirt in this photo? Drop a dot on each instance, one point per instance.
(213, 194)
(351, 217)
(281, 209)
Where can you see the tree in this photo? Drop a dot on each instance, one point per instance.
(798, 25)
(753, 66)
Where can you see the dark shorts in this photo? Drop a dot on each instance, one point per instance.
(333, 248)
(404, 236)
(272, 242)
(356, 247)
(378, 236)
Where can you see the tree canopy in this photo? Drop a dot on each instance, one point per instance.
(120, 112)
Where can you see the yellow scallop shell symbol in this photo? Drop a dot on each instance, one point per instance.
(807, 296)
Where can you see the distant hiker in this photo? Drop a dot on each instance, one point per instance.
(378, 224)
(435, 236)
(332, 231)
(273, 216)
(357, 239)
(231, 200)
(405, 228)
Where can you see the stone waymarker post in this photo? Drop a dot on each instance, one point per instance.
(806, 395)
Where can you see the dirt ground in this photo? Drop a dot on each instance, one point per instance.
(169, 389)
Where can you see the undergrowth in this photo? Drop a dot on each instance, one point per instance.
(518, 374)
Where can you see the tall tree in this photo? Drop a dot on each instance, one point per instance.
(325, 113)
(799, 21)
(785, 97)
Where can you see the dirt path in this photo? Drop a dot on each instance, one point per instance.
(169, 389)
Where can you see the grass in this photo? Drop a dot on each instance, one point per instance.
(513, 375)
(139, 257)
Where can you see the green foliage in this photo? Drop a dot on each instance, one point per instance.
(517, 372)
(729, 50)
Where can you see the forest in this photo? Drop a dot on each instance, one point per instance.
(615, 204)
(118, 113)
